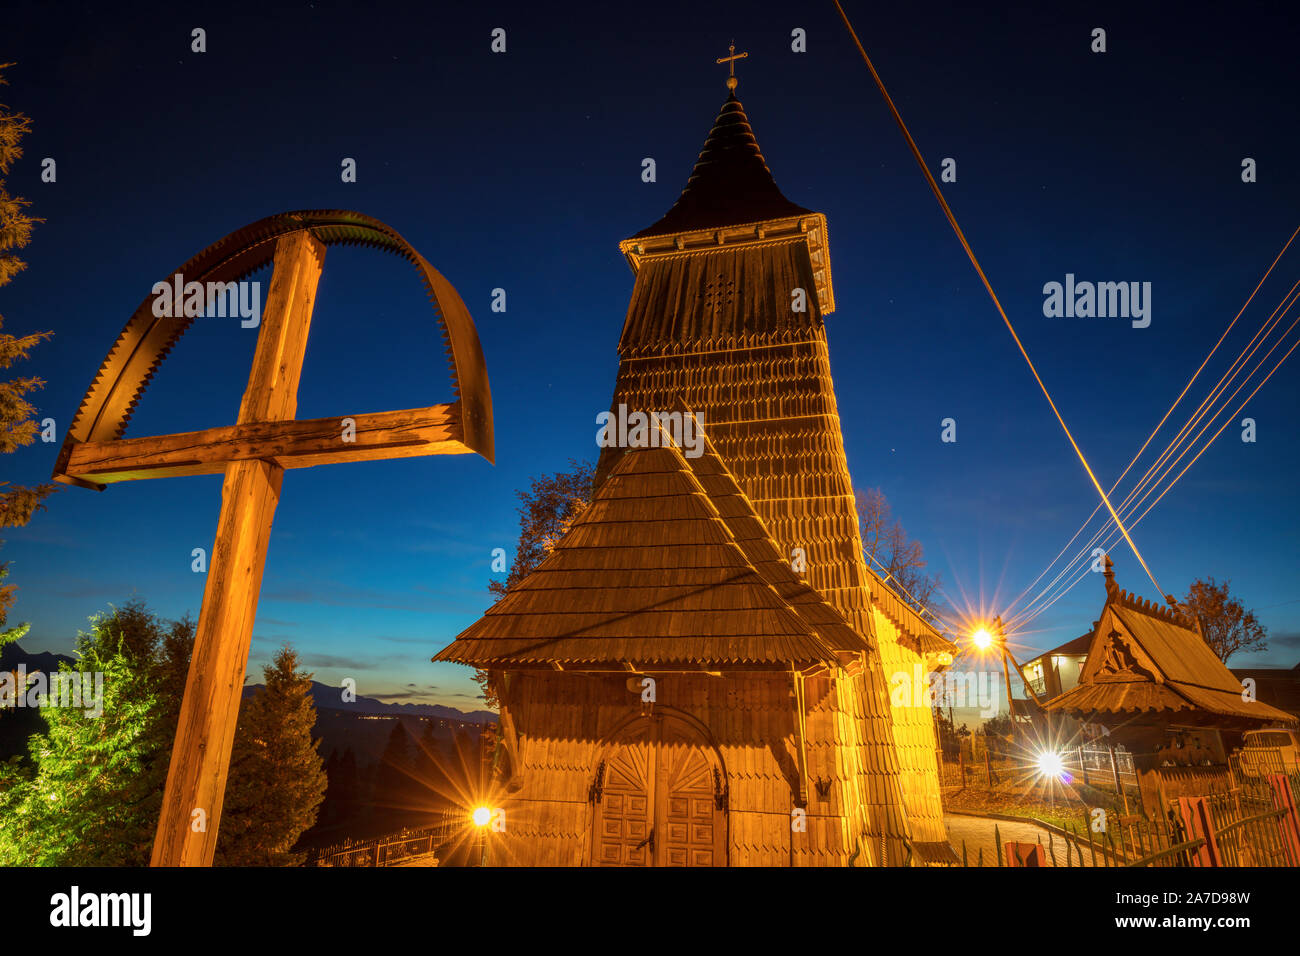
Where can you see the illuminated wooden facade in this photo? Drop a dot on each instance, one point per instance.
(752, 733)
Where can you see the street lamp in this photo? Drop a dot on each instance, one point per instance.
(995, 636)
(1052, 764)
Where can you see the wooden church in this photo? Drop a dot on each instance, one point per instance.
(699, 673)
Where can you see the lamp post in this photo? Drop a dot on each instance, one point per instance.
(1001, 633)
(995, 636)
(481, 817)
(1049, 762)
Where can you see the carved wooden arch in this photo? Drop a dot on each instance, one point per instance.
(611, 738)
(464, 425)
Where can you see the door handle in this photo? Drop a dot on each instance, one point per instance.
(649, 840)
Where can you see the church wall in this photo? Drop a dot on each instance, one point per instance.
(562, 721)
(914, 738)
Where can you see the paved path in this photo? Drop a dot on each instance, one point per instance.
(978, 834)
(425, 859)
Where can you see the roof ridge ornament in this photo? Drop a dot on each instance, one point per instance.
(732, 82)
(1176, 613)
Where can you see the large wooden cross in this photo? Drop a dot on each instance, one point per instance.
(253, 454)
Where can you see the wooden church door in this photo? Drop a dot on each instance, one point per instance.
(659, 799)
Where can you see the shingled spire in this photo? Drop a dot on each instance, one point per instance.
(730, 184)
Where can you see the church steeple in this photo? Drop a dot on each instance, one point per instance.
(731, 200)
(730, 184)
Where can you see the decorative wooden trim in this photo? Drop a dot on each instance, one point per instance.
(510, 740)
(808, 229)
(704, 669)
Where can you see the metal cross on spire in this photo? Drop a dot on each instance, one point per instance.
(731, 62)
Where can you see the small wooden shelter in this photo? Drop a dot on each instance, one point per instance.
(1159, 689)
(733, 582)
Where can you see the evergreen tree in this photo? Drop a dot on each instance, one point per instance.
(17, 425)
(276, 782)
(393, 786)
(349, 786)
(329, 807)
(433, 763)
(93, 792)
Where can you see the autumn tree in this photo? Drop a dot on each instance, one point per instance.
(277, 779)
(892, 555)
(546, 512)
(1227, 625)
(17, 414)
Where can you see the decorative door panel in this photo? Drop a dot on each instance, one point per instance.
(625, 813)
(688, 805)
(659, 798)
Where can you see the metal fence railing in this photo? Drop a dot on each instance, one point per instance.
(387, 850)
(979, 762)
(1252, 823)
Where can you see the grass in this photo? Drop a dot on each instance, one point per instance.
(1066, 805)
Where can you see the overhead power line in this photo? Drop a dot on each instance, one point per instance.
(1181, 395)
(970, 253)
(1030, 615)
(1288, 301)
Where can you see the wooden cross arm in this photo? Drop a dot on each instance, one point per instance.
(410, 433)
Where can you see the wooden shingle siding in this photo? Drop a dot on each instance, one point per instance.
(757, 376)
(596, 612)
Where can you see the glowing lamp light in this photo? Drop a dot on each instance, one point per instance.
(1052, 764)
(982, 639)
(482, 816)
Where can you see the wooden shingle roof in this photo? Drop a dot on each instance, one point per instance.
(913, 629)
(752, 535)
(730, 183)
(1147, 659)
(652, 573)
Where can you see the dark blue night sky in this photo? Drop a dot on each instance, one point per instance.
(523, 171)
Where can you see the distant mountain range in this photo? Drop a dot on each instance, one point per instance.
(331, 698)
(11, 656)
(324, 696)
